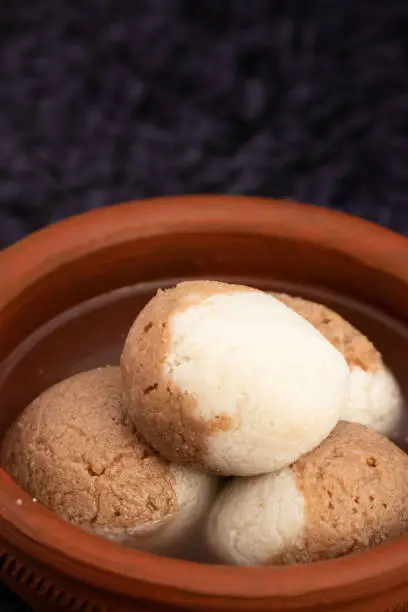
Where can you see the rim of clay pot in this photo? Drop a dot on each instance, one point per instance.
(131, 572)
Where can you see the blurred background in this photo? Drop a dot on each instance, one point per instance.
(104, 101)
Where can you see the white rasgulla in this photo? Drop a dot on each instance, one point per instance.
(228, 379)
(349, 494)
(72, 451)
(375, 398)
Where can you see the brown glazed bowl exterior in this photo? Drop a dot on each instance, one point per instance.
(56, 566)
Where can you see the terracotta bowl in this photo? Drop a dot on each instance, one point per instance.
(67, 297)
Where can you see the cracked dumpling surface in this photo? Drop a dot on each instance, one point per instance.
(375, 398)
(347, 495)
(72, 450)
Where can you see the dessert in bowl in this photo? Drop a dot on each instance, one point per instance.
(69, 296)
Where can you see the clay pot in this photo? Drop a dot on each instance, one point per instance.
(352, 266)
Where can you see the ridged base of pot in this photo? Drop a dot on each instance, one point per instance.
(46, 590)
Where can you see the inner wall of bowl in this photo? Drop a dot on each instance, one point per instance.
(76, 317)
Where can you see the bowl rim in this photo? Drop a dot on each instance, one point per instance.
(131, 572)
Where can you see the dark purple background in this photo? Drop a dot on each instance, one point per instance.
(105, 101)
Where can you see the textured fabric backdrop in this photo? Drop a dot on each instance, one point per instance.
(107, 101)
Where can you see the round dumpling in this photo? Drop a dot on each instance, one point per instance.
(72, 450)
(230, 380)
